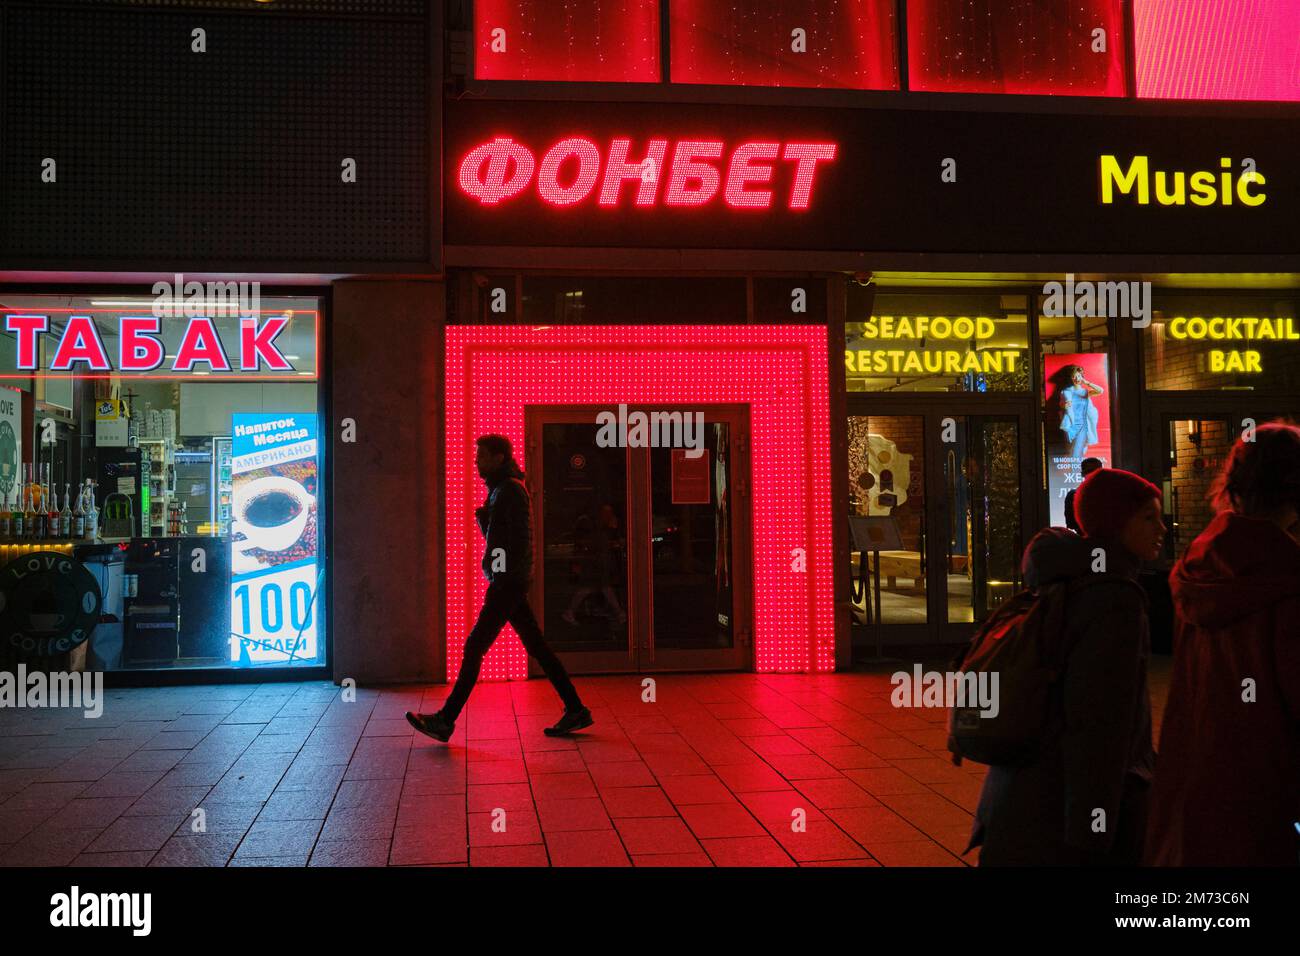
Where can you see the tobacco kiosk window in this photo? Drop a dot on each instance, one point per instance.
(208, 517)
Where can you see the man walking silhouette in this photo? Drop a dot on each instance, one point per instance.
(506, 522)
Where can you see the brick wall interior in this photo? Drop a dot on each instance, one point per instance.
(1194, 471)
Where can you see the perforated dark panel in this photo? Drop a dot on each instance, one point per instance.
(405, 8)
(234, 154)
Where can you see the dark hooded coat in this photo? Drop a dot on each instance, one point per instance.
(1045, 814)
(1227, 785)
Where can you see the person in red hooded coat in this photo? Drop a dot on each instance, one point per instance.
(1227, 781)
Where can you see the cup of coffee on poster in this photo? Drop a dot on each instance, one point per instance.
(1076, 421)
(271, 513)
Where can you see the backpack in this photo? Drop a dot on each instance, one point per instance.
(1025, 643)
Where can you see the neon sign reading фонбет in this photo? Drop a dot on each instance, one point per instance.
(694, 171)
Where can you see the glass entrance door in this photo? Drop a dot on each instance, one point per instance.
(1194, 451)
(949, 492)
(981, 513)
(887, 469)
(694, 521)
(641, 551)
(580, 540)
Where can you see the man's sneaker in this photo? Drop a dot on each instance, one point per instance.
(570, 722)
(432, 725)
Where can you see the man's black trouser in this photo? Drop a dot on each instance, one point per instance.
(507, 603)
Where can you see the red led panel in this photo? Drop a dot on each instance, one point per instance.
(1015, 46)
(1217, 49)
(846, 43)
(780, 372)
(600, 41)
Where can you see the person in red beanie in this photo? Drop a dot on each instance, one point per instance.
(1122, 508)
(1083, 802)
(1227, 785)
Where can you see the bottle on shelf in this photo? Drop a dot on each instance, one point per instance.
(43, 487)
(35, 519)
(78, 529)
(92, 513)
(41, 522)
(52, 520)
(22, 524)
(6, 522)
(65, 516)
(42, 512)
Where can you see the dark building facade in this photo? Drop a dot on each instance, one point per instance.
(902, 300)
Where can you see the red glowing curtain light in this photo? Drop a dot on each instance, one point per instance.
(780, 372)
(845, 43)
(1015, 46)
(603, 41)
(1217, 49)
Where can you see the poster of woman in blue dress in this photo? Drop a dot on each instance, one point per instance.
(1076, 414)
(1079, 415)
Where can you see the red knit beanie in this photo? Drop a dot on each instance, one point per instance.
(1108, 498)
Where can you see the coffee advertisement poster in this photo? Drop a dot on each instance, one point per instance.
(274, 540)
(11, 443)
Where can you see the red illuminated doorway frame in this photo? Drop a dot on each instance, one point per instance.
(780, 371)
(643, 584)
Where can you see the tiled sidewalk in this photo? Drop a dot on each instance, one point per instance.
(290, 775)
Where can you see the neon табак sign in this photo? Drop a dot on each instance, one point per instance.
(693, 172)
(80, 348)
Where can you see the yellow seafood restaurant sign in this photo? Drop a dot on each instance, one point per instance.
(914, 355)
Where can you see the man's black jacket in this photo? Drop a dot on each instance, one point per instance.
(506, 521)
(1071, 519)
